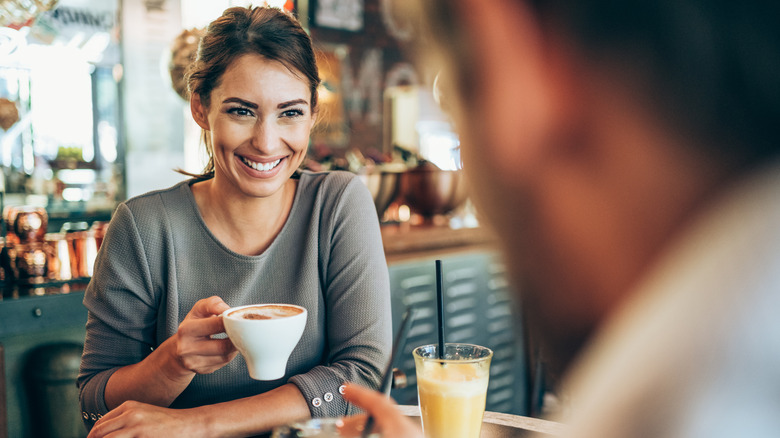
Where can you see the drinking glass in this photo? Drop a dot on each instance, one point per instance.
(452, 389)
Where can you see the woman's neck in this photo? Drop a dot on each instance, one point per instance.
(246, 225)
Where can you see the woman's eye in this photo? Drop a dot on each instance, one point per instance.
(292, 113)
(238, 111)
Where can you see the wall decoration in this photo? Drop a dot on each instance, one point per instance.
(339, 14)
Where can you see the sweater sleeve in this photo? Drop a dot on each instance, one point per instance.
(121, 312)
(357, 300)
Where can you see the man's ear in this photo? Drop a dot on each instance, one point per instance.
(199, 111)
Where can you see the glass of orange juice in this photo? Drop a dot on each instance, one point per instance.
(452, 389)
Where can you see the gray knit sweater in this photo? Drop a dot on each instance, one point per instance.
(158, 258)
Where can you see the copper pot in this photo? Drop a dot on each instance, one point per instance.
(29, 261)
(26, 224)
(430, 191)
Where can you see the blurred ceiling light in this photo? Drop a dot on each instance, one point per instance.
(95, 46)
(73, 194)
(404, 213)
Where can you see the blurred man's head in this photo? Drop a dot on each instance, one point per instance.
(593, 131)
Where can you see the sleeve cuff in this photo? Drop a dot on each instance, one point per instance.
(92, 397)
(323, 391)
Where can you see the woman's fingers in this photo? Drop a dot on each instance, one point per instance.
(103, 427)
(196, 350)
(111, 422)
(136, 419)
(206, 347)
(201, 326)
(387, 418)
(203, 319)
(204, 355)
(207, 307)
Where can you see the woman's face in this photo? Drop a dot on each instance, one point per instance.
(258, 120)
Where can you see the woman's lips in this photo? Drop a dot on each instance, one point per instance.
(261, 167)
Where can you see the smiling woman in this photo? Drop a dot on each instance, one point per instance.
(250, 229)
(258, 134)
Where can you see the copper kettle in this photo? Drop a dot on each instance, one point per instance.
(24, 244)
(26, 224)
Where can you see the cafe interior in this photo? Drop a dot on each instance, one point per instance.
(94, 111)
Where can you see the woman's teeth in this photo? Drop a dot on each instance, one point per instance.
(260, 166)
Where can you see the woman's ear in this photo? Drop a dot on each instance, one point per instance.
(199, 111)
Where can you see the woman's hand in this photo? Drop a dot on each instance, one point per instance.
(136, 419)
(167, 371)
(196, 351)
(388, 420)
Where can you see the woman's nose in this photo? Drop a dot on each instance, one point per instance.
(264, 135)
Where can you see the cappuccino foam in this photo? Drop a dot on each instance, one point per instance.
(272, 311)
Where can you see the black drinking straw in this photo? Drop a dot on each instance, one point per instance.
(440, 301)
(384, 387)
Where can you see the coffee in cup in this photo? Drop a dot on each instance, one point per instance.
(266, 311)
(265, 335)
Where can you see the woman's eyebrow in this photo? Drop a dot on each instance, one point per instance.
(241, 101)
(290, 103)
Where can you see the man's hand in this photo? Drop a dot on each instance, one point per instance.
(388, 420)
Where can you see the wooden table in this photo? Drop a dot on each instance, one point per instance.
(497, 425)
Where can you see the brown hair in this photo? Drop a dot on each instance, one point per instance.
(265, 31)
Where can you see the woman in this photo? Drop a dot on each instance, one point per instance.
(250, 229)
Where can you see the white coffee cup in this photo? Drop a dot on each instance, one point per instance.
(266, 335)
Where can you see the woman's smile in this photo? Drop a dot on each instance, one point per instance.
(263, 167)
